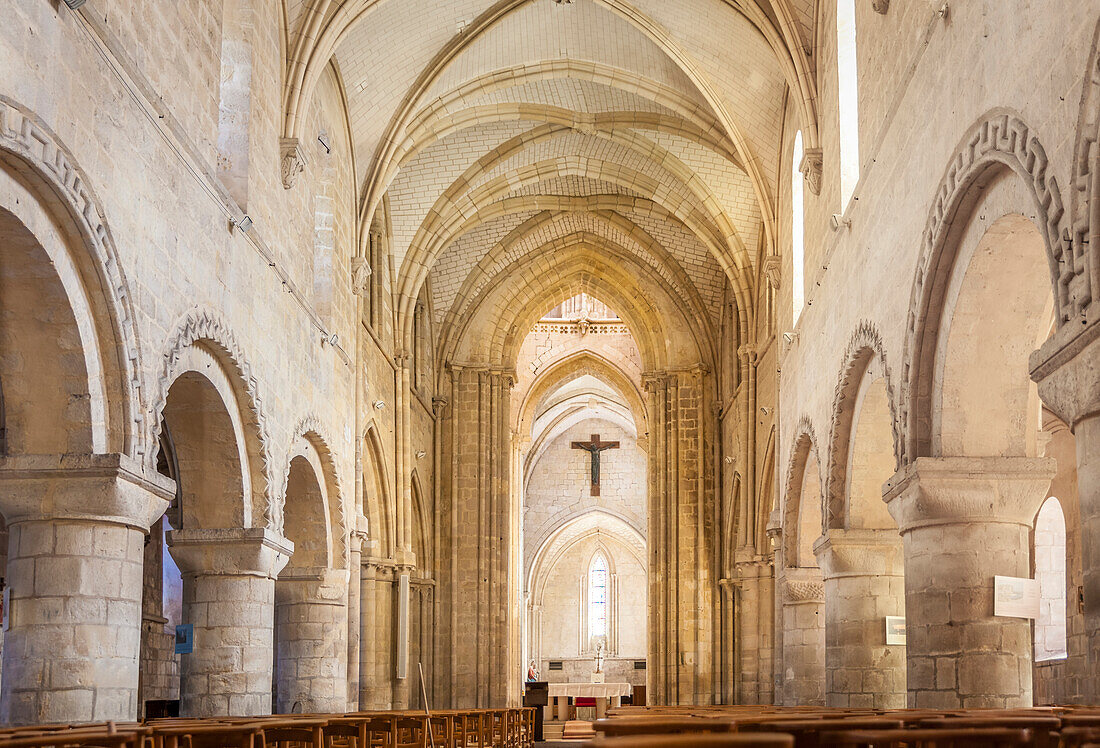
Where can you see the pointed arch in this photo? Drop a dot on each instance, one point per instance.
(377, 496)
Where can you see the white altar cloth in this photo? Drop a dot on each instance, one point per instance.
(589, 690)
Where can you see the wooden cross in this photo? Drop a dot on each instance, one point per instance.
(594, 446)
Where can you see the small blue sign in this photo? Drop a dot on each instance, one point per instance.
(185, 638)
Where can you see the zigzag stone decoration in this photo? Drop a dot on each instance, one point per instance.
(865, 344)
(1077, 273)
(310, 429)
(805, 443)
(207, 327)
(998, 138)
(39, 151)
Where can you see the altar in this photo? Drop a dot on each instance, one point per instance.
(602, 692)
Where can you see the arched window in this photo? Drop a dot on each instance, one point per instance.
(597, 597)
(1050, 573)
(798, 247)
(848, 92)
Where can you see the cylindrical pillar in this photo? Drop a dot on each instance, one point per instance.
(355, 562)
(310, 664)
(964, 520)
(803, 637)
(77, 526)
(864, 582)
(228, 596)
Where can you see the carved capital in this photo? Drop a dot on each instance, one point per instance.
(811, 169)
(933, 491)
(293, 160)
(799, 590)
(360, 276)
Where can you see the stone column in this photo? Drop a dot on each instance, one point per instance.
(803, 637)
(754, 618)
(964, 520)
(355, 563)
(228, 596)
(368, 660)
(310, 662)
(77, 525)
(864, 582)
(1067, 369)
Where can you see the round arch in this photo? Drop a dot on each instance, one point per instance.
(864, 357)
(52, 231)
(1000, 146)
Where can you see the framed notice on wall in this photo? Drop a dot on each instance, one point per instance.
(895, 630)
(1016, 597)
(185, 638)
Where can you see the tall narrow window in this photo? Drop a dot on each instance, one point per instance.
(1050, 573)
(235, 103)
(798, 248)
(848, 92)
(597, 597)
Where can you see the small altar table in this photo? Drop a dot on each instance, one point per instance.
(601, 692)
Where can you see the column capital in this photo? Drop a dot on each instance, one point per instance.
(106, 488)
(239, 552)
(802, 585)
(315, 585)
(1067, 369)
(860, 553)
(956, 490)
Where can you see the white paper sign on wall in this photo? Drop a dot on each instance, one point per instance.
(895, 629)
(1016, 597)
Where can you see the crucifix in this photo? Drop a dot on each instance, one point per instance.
(594, 446)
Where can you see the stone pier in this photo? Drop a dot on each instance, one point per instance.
(77, 528)
(864, 582)
(228, 595)
(964, 520)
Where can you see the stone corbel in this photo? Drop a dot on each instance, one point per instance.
(772, 271)
(811, 169)
(360, 276)
(747, 352)
(880, 6)
(293, 160)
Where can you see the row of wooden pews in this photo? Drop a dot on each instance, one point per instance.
(816, 727)
(455, 728)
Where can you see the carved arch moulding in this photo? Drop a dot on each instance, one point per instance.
(29, 146)
(208, 329)
(999, 139)
(864, 348)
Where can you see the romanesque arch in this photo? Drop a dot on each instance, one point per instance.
(865, 357)
(998, 146)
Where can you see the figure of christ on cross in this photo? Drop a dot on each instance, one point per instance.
(594, 446)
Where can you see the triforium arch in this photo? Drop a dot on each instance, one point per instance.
(865, 350)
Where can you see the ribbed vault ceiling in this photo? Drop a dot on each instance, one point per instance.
(497, 130)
